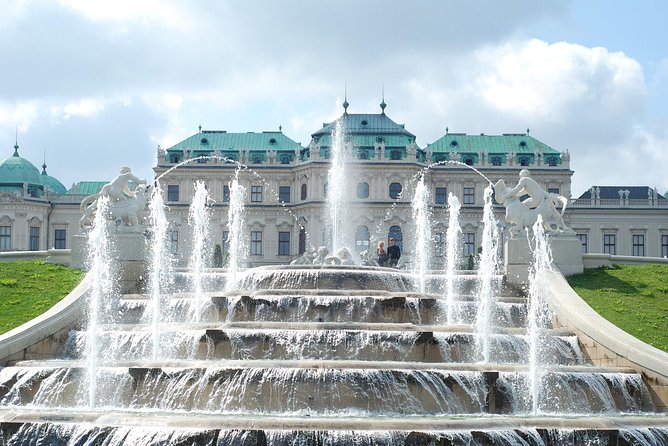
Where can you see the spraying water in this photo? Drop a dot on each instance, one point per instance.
(422, 220)
(538, 312)
(98, 257)
(336, 192)
(198, 218)
(452, 256)
(487, 273)
(160, 260)
(235, 223)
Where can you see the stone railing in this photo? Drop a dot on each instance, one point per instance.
(636, 203)
(57, 256)
(598, 260)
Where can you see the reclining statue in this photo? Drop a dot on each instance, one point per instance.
(523, 214)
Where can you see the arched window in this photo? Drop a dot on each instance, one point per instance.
(285, 159)
(468, 161)
(496, 161)
(174, 158)
(362, 238)
(395, 233)
(551, 161)
(524, 161)
(363, 155)
(395, 155)
(303, 194)
(395, 190)
(257, 159)
(362, 190)
(325, 153)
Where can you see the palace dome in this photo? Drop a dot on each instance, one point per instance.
(15, 171)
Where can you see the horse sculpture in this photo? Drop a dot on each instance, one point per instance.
(126, 213)
(521, 216)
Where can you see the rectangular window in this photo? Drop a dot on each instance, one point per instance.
(283, 243)
(284, 194)
(469, 243)
(553, 190)
(172, 192)
(256, 243)
(5, 238)
(441, 195)
(638, 245)
(226, 194)
(256, 194)
(60, 239)
(664, 246)
(610, 244)
(174, 242)
(583, 242)
(469, 195)
(33, 242)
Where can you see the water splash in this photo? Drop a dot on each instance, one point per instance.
(422, 219)
(487, 275)
(336, 189)
(452, 256)
(235, 226)
(161, 263)
(538, 312)
(198, 218)
(100, 265)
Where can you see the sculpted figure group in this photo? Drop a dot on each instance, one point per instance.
(523, 214)
(126, 206)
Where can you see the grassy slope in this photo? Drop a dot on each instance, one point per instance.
(635, 298)
(29, 288)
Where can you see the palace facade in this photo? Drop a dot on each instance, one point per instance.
(286, 185)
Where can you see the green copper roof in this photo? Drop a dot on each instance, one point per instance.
(365, 130)
(50, 183)
(209, 140)
(17, 170)
(506, 143)
(86, 188)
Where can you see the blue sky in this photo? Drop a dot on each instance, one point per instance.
(99, 84)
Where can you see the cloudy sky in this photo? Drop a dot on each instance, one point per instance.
(98, 84)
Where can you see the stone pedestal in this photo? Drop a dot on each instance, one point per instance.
(566, 257)
(128, 257)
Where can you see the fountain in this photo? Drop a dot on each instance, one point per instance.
(326, 354)
(422, 233)
(199, 220)
(337, 189)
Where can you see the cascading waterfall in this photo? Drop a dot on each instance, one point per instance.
(198, 218)
(487, 273)
(235, 226)
(452, 256)
(99, 262)
(422, 220)
(161, 264)
(538, 312)
(336, 189)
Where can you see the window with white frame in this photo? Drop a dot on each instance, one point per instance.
(283, 243)
(256, 243)
(256, 194)
(5, 238)
(469, 195)
(583, 242)
(173, 192)
(33, 240)
(610, 244)
(664, 246)
(638, 245)
(441, 195)
(284, 194)
(469, 243)
(60, 239)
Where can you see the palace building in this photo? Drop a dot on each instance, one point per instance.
(286, 186)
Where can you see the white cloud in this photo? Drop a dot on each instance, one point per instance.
(143, 11)
(82, 108)
(20, 115)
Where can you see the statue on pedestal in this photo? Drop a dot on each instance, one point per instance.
(523, 214)
(125, 206)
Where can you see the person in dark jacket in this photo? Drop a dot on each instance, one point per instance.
(393, 253)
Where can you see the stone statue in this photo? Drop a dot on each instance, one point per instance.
(523, 214)
(345, 257)
(321, 256)
(368, 258)
(126, 206)
(306, 258)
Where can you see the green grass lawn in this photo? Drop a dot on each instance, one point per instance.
(29, 288)
(635, 298)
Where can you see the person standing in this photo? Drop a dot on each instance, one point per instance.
(381, 254)
(393, 253)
